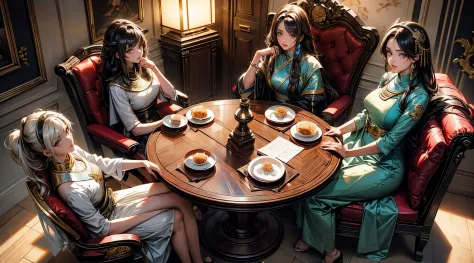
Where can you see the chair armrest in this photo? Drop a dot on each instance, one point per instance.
(337, 108)
(117, 238)
(182, 99)
(112, 139)
(166, 108)
(127, 244)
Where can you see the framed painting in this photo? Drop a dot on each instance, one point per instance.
(100, 13)
(8, 53)
(23, 67)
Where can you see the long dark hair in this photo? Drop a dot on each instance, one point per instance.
(423, 67)
(120, 35)
(296, 23)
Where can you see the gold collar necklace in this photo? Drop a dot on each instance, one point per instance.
(386, 94)
(67, 166)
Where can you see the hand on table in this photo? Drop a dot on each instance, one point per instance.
(336, 147)
(150, 167)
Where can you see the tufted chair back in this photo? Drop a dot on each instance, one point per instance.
(88, 74)
(342, 41)
(82, 77)
(424, 178)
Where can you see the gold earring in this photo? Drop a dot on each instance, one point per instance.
(412, 69)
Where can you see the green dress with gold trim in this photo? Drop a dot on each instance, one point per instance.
(370, 178)
(310, 90)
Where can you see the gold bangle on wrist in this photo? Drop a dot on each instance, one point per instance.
(254, 65)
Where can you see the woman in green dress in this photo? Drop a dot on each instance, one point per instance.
(373, 165)
(288, 70)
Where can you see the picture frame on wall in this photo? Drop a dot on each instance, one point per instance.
(25, 67)
(8, 52)
(101, 13)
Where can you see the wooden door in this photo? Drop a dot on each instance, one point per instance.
(248, 34)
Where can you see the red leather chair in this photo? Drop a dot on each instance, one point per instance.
(344, 45)
(82, 78)
(112, 248)
(439, 150)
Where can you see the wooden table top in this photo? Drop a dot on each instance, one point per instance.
(227, 188)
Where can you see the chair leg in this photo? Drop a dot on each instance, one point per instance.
(420, 244)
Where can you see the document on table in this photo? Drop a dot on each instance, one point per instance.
(282, 149)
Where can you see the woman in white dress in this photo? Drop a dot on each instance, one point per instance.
(44, 142)
(134, 82)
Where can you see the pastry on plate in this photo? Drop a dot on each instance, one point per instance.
(306, 128)
(281, 112)
(200, 158)
(176, 119)
(267, 166)
(199, 112)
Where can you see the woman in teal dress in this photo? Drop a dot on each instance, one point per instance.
(288, 70)
(373, 165)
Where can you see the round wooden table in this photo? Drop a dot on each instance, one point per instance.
(240, 227)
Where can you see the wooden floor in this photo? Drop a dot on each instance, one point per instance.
(452, 238)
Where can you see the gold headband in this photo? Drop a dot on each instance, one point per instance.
(420, 39)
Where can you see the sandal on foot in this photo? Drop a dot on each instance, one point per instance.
(297, 246)
(339, 259)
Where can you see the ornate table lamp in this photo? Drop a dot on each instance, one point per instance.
(189, 47)
(242, 135)
(187, 17)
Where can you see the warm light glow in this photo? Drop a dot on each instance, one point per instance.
(199, 12)
(213, 15)
(170, 13)
(193, 13)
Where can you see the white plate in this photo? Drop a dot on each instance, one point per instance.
(211, 161)
(209, 118)
(297, 136)
(167, 122)
(255, 169)
(270, 115)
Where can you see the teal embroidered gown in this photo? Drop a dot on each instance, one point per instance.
(310, 86)
(370, 178)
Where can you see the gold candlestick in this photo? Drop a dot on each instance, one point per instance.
(242, 135)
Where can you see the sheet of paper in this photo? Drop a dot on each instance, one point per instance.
(282, 149)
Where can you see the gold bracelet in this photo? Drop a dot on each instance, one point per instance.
(254, 65)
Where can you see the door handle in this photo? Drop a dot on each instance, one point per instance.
(244, 28)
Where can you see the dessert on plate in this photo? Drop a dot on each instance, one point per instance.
(306, 128)
(267, 166)
(200, 158)
(176, 119)
(281, 112)
(199, 112)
